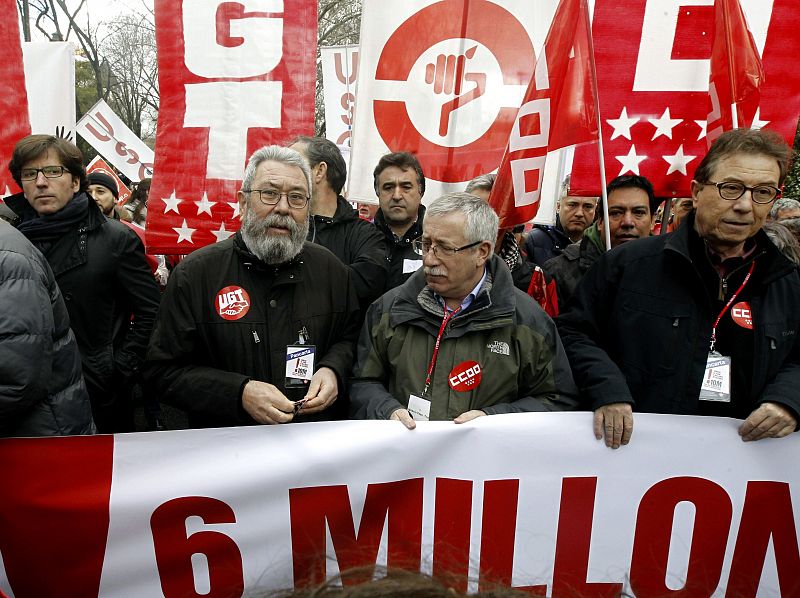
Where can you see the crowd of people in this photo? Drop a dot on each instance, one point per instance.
(317, 311)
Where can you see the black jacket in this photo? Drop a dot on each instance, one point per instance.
(400, 253)
(568, 268)
(200, 361)
(358, 245)
(41, 387)
(546, 242)
(638, 329)
(112, 300)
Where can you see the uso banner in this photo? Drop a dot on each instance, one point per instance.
(653, 69)
(527, 500)
(233, 76)
(339, 74)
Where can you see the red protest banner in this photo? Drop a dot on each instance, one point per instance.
(233, 78)
(14, 99)
(653, 70)
(98, 164)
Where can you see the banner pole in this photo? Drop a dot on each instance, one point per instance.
(601, 158)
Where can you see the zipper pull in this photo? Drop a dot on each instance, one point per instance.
(255, 337)
(676, 322)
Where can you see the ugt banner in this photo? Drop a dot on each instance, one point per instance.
(653, 69)
(233, 76)
(442, 80)
(531, 501)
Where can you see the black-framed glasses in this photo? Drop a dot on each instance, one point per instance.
(422, 247)
(731, 190)
(271, 197)
(50, 172)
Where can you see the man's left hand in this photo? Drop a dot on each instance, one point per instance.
(469, 415)
(770, 420)
(322, 391)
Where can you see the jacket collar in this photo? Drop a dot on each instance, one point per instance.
(411, 234)
(25, 211)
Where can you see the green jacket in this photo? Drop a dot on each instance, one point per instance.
(522, 362)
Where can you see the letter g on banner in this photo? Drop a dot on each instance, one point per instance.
(233, 39)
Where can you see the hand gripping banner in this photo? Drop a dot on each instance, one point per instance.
(233, 76)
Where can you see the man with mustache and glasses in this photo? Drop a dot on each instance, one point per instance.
(631, 207)
(457, 340)
(260, 328)
(702, 321)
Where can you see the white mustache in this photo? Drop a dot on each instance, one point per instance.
(279, 220)
(435, 271)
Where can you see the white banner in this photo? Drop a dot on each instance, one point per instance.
(339, 74)
(528, 500)
(436, 79)
(50, 83)
(105, 132)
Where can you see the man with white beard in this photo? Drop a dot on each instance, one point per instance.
(260, 328)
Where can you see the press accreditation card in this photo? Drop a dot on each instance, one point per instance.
(299, 364)
(419, 408)
(717, 379)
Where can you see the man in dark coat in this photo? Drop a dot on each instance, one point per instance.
(400, 184)
(260, 328)
(337, 226)
(41, 386)
(702, 321)
(99, 265)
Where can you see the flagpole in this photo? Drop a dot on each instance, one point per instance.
(729, 52)
(596, 94)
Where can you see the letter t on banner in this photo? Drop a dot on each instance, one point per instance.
(14, 99)
(559, 110)
(734, 87)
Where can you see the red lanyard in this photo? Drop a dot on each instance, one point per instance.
(448, 315)
(728, 305)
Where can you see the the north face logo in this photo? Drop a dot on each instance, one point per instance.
(499, 347)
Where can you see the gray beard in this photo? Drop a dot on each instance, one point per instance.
(272, 249)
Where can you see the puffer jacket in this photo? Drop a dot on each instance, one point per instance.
(41, 387)
(522, 362)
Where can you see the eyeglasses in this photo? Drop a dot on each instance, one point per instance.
(50, 172)
(270, 197)
(422, 247)
(732, 191)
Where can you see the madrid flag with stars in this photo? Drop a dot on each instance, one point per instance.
(232, 79)
(653, 69)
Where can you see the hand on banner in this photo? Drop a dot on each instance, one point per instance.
(770, 420)
(469, 416)
(266, 404)
(322, 392)
(447, 76)
(404, 416)
(615, 423)
(63, 133)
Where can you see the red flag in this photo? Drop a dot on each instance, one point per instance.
(14, 100)
(558, 110)
(734, 87)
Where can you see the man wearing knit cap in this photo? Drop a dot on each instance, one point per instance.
(103, 189)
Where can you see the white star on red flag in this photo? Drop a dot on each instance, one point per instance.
(678, 161)
(757, 122)
(221, 234)
(171, 203)
(631, 161)
(622, 125)
(204, 205)
(184, 232)
(703, 124)
(664, 124)
(235, 206)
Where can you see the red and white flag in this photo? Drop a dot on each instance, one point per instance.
(558, 111)
(734, 88)
(14, 99)
(233, 78)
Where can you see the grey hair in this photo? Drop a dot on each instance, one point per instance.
(482, 222)
(484, 181)
(785, 203)
(275, 153)
(784, 240)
